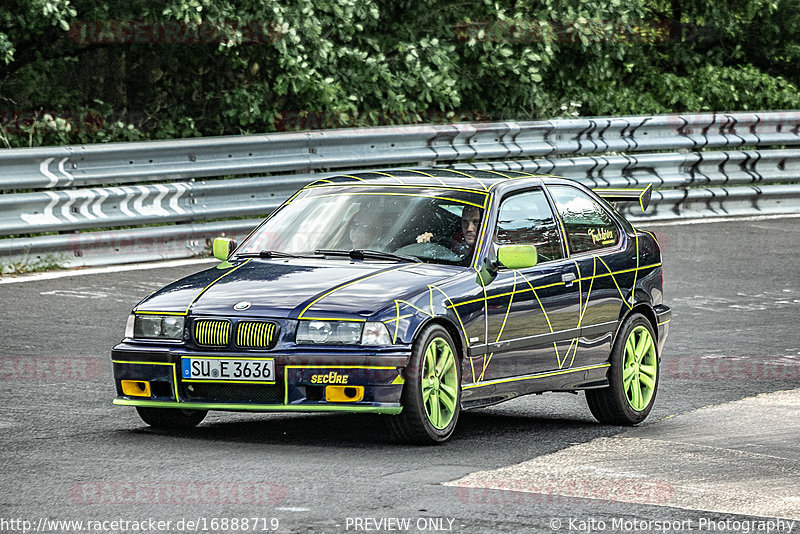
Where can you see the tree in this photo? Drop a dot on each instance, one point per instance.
(75, 71)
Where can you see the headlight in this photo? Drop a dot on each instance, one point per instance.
(317, 332)
(155, 327)
(342, 333)
(329, 332)
(376, 334)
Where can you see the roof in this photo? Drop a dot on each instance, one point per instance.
(473, 179)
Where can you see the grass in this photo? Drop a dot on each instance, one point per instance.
(48, 262)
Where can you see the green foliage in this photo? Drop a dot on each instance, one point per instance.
(79, 71)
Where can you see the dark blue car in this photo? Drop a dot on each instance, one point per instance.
(416, 294)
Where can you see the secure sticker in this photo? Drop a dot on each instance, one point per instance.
(330, 378)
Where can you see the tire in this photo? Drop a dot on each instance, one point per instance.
(633, 376)
(431, 396)
(171, 418)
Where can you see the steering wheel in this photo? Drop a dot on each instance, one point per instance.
(433, 251)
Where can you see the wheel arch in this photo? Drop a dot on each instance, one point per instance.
(642, 308)
(452, 329)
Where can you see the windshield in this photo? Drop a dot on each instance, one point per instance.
(433, 224)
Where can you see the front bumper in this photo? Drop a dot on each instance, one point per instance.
(301, 383)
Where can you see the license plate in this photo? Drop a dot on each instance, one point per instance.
(234, 370)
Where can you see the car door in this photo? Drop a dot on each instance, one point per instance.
(532, 313)
(597, 246)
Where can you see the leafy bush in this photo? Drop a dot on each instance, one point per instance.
(81, 71)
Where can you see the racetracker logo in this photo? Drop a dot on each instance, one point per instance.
(16, 122)
(177, 492)
(401, 121)
(565, 31)
(733, 368)
(568, 492)
(173, 32)
(56, 368)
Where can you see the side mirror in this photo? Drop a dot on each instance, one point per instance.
(517, 256)
(223, 247)
(487, 274)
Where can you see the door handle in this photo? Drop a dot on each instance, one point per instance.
(568, 279)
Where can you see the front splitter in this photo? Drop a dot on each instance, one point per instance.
(229, 407)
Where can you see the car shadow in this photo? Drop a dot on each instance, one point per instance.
(370, 431)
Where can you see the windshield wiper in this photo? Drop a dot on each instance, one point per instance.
(360, 254)
(266, 254)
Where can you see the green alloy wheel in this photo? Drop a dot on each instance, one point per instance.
(432, 393)
(171, 418)
(639, 371)
(439, 383)
(633, 376)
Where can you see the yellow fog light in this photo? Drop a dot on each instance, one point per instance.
(344, 393)
(136, 388)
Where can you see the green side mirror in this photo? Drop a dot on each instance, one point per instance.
(517, 256)
(223, 247)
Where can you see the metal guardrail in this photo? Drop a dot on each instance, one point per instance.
(700, 165)
(59, 167)
(686, 185)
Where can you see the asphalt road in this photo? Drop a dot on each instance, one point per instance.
(68, 454)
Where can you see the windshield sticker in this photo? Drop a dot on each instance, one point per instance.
(350, 193)
(318, 184)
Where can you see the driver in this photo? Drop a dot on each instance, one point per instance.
(360, 231)
(464, 242)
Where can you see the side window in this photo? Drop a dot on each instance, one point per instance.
(526, 219)
(588, 225)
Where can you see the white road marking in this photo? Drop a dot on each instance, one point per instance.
(713, 459)
(104, 270)
(81, 294)
(765, 300)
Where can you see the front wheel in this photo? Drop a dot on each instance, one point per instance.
(432, 393)
(633, 376)
(171, 418)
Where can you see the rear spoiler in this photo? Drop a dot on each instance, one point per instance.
(627, 195)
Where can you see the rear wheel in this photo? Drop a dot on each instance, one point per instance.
(432, 393)
(633, 376)
(171, 418)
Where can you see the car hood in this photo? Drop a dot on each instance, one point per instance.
(296, 288)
